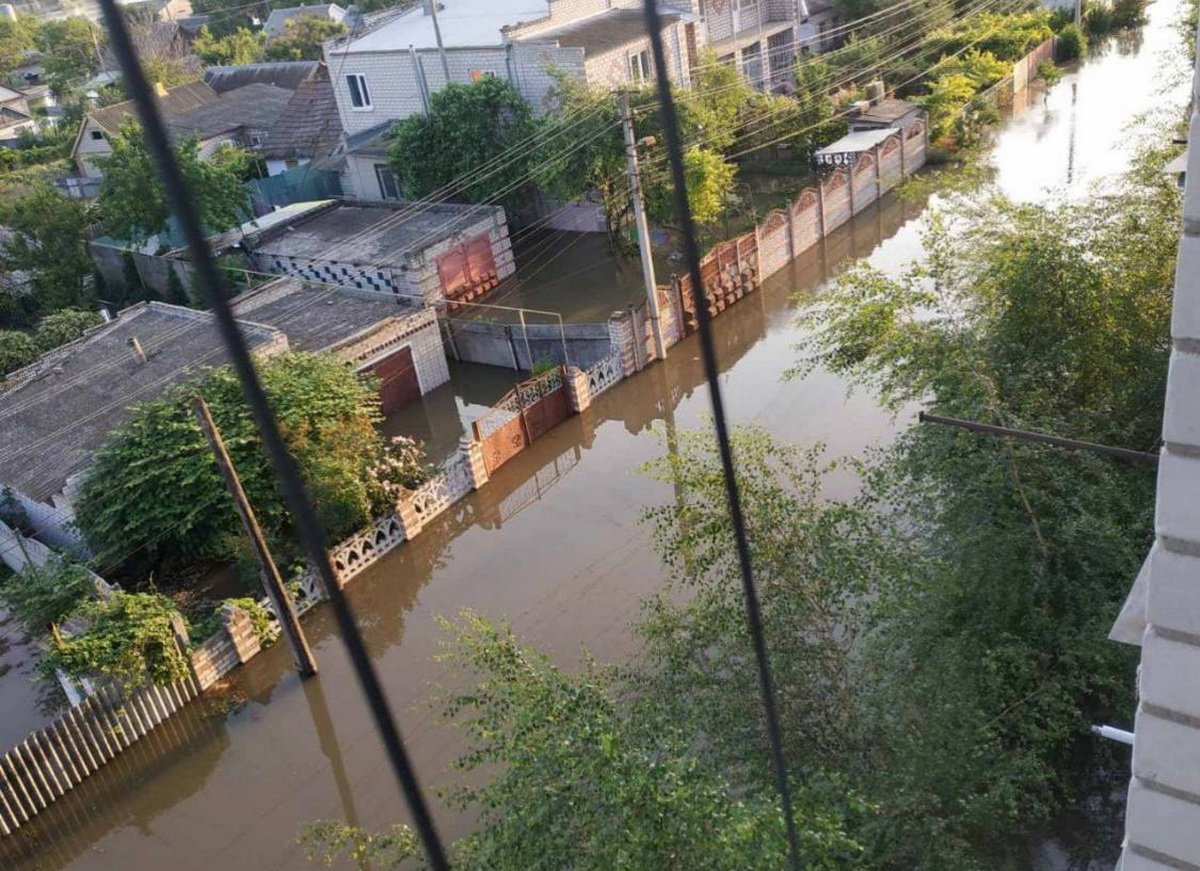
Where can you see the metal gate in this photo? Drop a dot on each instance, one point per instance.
(398, 382)
(524, 414)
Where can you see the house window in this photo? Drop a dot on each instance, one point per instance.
(389, 188)
(639, 67)
(256, 140)
(96, 134)
(360, 97)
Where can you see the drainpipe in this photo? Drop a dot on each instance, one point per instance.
(419, 74)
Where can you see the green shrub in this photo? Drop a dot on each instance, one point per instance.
(1072, 43)
(1048, 72)
(38, 597)
(542, 366)
(130, 637)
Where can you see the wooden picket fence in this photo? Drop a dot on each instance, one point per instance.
(52, 761)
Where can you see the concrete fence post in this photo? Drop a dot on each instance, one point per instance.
(577, 389)
(410, 521)
(240, 627)
(473, 451)
(620, 334)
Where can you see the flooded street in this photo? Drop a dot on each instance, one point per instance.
(553, 543)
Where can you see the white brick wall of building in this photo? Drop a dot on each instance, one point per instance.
(1162, 826)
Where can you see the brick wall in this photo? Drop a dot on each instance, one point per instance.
(1162, 824)
(561, 12)
(391, 82)
(611, 69)
(890, 171)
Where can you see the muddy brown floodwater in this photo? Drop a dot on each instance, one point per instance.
(553, 544)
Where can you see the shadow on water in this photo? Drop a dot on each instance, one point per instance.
(552, 543)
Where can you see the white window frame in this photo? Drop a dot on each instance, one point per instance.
(641, 67)
(380, 169)
(360, 94)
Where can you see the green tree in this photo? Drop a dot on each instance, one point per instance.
(64, 326)
(466, 128)
(133, 203)
(154, 490)
(242, 46)
(988, 672)
(70, 54)
(585, 779)
(17, 349)
(16, 38)
(709, 179)
(49, 242)
(302, 38)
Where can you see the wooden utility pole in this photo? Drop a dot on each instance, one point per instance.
(306, 663)
(643, 228)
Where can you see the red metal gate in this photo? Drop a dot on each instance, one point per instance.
(522, 415)
(469, 269)
(398, 383)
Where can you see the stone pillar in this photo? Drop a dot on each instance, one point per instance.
(411, 523)
(620, 335)
(577, 389)
(240, 627)
(473, 451)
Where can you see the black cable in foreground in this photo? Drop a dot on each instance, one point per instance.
(308, 527)
(670, 123)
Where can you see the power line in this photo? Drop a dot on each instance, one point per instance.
(309, 529)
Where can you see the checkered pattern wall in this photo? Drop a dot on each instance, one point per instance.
(331, 272)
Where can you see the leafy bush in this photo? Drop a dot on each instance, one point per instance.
(1006, 37)
(64, 326)
(1048, 72)
(41, 596)
(130, 637)
(1072, 43)
(200, 631)
(17, 349)
(154, 488)
(542, 366)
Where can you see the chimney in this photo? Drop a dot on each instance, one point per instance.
(875, 92)
(137, 350)
(106, 315)
(160, 89)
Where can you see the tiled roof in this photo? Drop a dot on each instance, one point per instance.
(602, 33)
(310, 126)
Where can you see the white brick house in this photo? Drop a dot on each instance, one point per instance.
(389, 71)
(763, 37)
(1162, 613)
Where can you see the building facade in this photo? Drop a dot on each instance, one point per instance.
(389, 67)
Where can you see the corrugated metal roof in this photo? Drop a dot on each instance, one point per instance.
(859, 140)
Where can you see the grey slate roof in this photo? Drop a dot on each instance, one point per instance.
(364, 232)
(276, 23)
(282, 74)
(310, 126)
(254, 107)
(56, 412)
(179, 99)
(315, 316)
(603, 33)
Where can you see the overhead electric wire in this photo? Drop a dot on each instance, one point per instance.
(708, 352)
(308, 526)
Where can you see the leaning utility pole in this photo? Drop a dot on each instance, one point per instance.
(643, 229)
(306, 664)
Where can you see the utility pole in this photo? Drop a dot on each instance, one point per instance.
(437, 35)
(1079, 13)
(643, 228)
(306, 664)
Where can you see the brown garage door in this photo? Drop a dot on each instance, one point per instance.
(398, 384)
